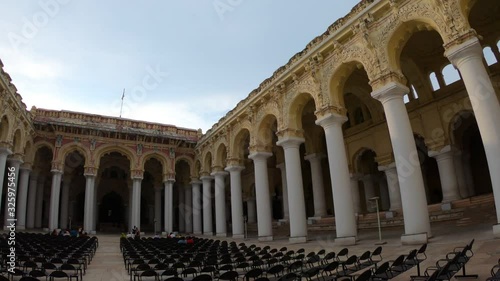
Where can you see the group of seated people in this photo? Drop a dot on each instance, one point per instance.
(69, 232)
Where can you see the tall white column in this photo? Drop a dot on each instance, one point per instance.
(129, 207)
(188, 209)
(369, 188)
(468, 58)
(65, 201)
(95, 213)
(89, 203)
(286, 210)
(263, 200)
(169, 205)
(157, 213)
(251, 210)
(391, 174)
(136, 201)
(22, 197)
(55, 193)
(207, 205)
(4, 153)
(196, 186)
(354, 185)
(15, 164)
(30, 218)
(449, 184)
(345, 221)
(318, 186)
(182, 209)
(298, 219)
(220, 204)
(39, 201)
(459, 171)
(236, 201)
(416, 215)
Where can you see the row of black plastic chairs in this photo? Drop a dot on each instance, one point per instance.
(247, 260)
(495, 272)
(44, 256)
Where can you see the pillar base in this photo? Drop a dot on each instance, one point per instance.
(297, 240)
(197, 233)
(239, 236)
(208, 233)
(414, 239)
(345, 241)
(221, 235)
(265, 238)
(496, 230)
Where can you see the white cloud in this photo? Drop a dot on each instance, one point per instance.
(32, 66)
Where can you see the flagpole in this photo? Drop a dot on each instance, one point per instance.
(121, 107)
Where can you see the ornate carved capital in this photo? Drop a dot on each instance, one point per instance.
(290, 133)
(137, 174)
(90, 171)
(327, 110)
(386, 78)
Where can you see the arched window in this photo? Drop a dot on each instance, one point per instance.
(414, 92)
(489, 56)
(434, 81)
(450, 74)
(406, 98)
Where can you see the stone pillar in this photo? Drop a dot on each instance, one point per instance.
(65, 201)
(318, 186)
(345, 220)
(286, 211)
(95, 213)
(236, 201)
(39, 201)
(15, 163)
(264, 216)
(188, 209)
(220, 204)
(55, 193)
(196, 186)
(416, 217)
(449, 184)
(354, 185)
(157, 213)
(130, 196)
(369, 188)
(251, 210)
(30, 219)
(298, 219)
(385, 201)
(459, 171)
(22, 197)
(207, 205)
(4, 153)
(182, 209)
(468, 58)
(169, 205)
(88, 216)
(136, 201)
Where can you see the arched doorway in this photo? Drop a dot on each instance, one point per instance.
(430, 172)
(111, 209)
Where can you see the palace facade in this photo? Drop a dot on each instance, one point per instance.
(369, 109)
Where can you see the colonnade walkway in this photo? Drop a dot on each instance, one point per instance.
(107, 264)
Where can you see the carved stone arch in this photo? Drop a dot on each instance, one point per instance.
(455, 122)
(271, 108)
(398, 28)
(41, 143)
(294, 109)
(196, 168)
(5, 127)
(29, 154)
(356, 157)
(220, 157)
(123, 150)
(18, 141)
(207, 162)
(263, 132)
(237, 152)
(309, 86)
(68, 148)
(190, 162)
(338, 79)
(165, 163)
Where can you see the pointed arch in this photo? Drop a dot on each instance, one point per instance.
(123, 150)
(162, 158)
(190, 162)
(68, 148)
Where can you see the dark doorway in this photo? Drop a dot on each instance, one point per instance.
(111, 209)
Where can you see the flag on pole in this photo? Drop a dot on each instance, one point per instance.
(123, 95)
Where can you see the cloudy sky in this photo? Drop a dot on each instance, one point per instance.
(181, 62)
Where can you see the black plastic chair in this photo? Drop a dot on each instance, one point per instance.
(229, 275)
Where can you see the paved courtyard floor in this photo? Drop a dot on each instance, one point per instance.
(107, 264)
